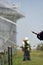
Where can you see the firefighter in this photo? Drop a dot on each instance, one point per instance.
(26, 48)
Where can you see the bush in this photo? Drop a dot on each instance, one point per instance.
(40, 46)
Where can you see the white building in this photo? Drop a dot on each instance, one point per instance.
(8, 17)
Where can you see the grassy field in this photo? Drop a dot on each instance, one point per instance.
(36, 58)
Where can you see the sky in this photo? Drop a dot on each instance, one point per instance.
(33, 20)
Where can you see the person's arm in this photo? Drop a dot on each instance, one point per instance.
(36, 33)
(23, 46)
(39, 37)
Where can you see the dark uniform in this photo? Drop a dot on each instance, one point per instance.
(26, 48)
(40, 35)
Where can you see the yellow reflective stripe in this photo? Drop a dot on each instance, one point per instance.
(23, 44)
(28, 49)
(28, 42)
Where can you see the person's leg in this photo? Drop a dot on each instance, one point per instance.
(28, 55)
(24, 56)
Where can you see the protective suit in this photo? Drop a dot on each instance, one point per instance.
(26, 48)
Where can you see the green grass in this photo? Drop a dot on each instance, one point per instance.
(36, 58)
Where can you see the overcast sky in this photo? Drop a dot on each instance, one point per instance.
(33, 12)
(33, 20)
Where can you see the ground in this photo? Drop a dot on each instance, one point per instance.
(36, 58)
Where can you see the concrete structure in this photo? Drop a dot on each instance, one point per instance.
(8, 17)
